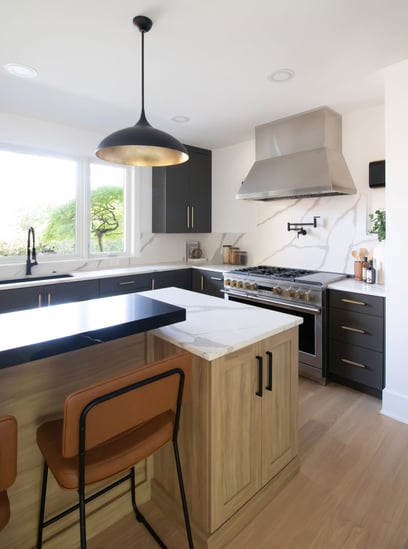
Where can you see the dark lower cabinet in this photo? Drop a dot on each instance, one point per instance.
(356, 341)
(32, 297)
(208, 282)
(125, 284)
(180, 278)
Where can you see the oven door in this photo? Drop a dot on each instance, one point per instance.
(311, 362)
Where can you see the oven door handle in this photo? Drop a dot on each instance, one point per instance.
(282, 304)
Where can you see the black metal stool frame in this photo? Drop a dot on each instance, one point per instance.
(131, 475)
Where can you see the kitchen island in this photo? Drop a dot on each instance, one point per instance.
(238, 447)
(238, 433)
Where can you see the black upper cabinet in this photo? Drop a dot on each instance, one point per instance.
(182, 195)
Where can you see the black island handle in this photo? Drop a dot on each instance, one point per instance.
(260, 375)
(269, 383)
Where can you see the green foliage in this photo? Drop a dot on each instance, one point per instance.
(106, 215)
(379, 225)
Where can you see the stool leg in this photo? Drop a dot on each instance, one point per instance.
(82, 519)
(42, 505)
(183, 494)
(139, 516)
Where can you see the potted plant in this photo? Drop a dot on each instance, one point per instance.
(378, 224)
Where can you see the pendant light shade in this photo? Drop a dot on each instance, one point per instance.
(141, 144)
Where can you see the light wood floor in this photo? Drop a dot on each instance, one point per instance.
(351, 492)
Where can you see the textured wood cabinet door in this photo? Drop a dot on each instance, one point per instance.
(279, 405)
(235, 420)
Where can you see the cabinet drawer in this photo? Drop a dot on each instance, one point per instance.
(124, 284)
(356, 364)
(358, 329)
(359, 303)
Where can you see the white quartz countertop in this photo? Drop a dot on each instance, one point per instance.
(357, 286)
(77, 276)
(215, 327)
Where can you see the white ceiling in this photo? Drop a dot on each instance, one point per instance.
(208, 60)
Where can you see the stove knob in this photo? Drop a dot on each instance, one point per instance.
(253, 286)
(308, 296)
(288, 292)
(227, 282)
(247, 285)
(233, 283)
(240, 284)
(299, 294)
(277, 290)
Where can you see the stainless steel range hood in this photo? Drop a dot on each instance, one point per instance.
(297, 157)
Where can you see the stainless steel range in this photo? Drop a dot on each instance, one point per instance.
(293, 291)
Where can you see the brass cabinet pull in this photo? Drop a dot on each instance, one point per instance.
(152, 283)
(352, 363)
(192, 217)
(49, 299)
(188, 217)
(353, 302)
(215, 278)
(39, 300)
(127, 282)
(350, 329)
(202, 283)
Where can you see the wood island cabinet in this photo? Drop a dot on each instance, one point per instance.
(182, 195)
(238, 436)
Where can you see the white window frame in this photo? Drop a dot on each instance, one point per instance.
(83, 233)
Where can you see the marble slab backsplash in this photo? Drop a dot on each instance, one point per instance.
(341, 227)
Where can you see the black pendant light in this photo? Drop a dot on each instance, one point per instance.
(142, 145)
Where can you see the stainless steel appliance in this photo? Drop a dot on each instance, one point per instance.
(294, 291)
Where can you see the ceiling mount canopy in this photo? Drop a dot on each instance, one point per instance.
(141, 144)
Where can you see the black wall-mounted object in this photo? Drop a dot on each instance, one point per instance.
(376, 174)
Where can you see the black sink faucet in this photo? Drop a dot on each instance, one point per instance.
(31, 253)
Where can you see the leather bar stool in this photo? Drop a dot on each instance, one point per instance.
(109, 427)
(8, 464)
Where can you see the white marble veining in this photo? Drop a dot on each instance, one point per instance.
(353, 285)
(215, 327)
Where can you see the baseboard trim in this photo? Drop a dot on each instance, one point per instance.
(395, 406)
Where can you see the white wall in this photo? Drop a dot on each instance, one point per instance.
(395, 396)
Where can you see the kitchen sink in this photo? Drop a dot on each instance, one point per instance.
(34, 278)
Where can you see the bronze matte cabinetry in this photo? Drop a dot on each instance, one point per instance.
(182, 195)
(356, 340)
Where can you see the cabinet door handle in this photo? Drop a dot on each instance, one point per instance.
(40, 300)
(188, 217)
(352, 363)
(350, 329)
(215, 278)
(268, 386)
(152, 283)
(260, 375)
(353, 302)
(192, 217)
(127, 282)
(49, 299)
(202, 283)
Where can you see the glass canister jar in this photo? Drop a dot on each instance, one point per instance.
(226, 250)
(241, 257)
(232, 256)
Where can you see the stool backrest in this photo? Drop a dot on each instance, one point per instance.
(8, 451)
(126, 411)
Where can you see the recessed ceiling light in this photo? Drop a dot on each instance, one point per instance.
(21, 71)
(282, 75)
(180, 119)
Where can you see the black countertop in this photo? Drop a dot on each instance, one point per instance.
(39, 333)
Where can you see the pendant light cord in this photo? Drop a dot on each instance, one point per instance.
(143, 119)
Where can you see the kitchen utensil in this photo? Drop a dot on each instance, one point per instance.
(354, 253)
(363, 253)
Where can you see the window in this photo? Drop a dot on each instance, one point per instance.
(78, 208)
